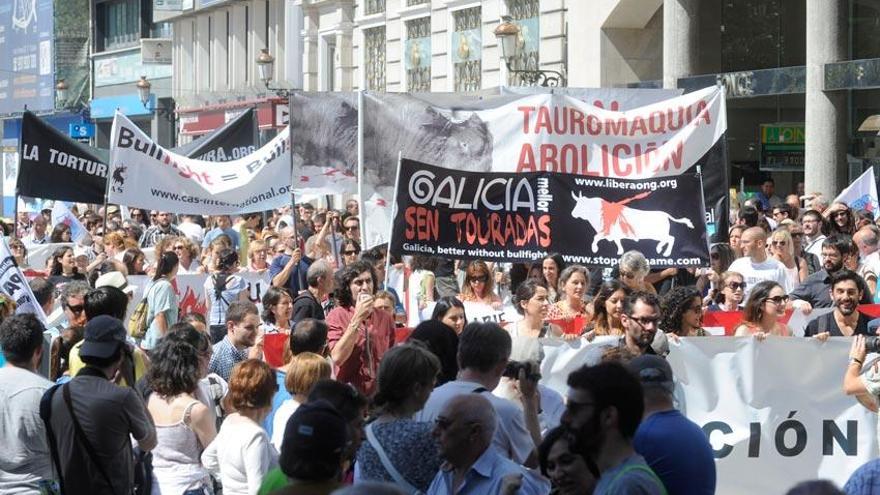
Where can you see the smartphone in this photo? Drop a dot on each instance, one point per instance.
(362, 297)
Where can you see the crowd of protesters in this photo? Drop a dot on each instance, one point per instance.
(385, 386)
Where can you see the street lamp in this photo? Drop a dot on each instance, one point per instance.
(508, 36)
(61, 92)
(144, 89)
(266, 67)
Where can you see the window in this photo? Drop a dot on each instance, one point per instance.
(374, 54)
(410, 3)
(525, 14)
(374, 7)
(120, 24)
(328, 64)
(418, 55)
(467, 45)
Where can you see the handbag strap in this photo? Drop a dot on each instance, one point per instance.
(93, 456)
(386, 462)
(46, 416)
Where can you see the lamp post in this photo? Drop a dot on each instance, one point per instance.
(144, 89)
(266, 67)
(508, 33)
(61, 93)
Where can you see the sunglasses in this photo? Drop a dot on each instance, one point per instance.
(779, 243)
(840, 214)
(351, 227)
(736, 285)
(350, 252)
(178, 248)
(778, 300)
(76, 309)
(481, 278)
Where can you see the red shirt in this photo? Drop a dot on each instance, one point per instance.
(362, 366)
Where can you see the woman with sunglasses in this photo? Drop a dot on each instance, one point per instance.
(479, 287)
(763, 312)
(782, 248)
(421, 287)
(730, 295)
(351, 249)
(682, 309)
(841, 219)
(19, 252)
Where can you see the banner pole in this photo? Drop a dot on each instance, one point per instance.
(360, 169)
(703, 208)
(393, 214)
(15, 210)
(332, 234)
(293, 213)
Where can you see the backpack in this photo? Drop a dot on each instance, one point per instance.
(137, 322)
(220, 280)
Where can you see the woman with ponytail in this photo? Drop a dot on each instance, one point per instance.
(162, 302)
(398, 449)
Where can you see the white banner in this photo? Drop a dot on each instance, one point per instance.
(15, 286)
(145, 175)
(774, 411)
(531, 133)
(861, 194)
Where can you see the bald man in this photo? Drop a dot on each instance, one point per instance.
(755, 266)
(289, 269)
(464, 430)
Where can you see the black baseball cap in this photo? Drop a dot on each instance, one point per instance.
(315, 430)
(652, 371)
(102, 337)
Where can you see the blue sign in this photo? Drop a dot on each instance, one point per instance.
(27, 61)
(105, 108)
(81, 131)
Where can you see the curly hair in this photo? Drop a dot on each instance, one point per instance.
(344, 277)
(175, 368)
(673, 306)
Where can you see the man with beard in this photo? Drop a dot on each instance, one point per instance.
(163, 228)
(845, 320)
(243, 339)
(603, 411)
(640, 317)
(815, 291)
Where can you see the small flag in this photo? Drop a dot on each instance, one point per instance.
(62, 214)
(861, 194)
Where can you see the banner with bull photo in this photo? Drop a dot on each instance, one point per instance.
(517, 217)
(577, 135)
(146, 175)
(323, 130)
(54, 166)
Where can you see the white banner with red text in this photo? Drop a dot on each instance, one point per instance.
(774, 410)
(145, 175)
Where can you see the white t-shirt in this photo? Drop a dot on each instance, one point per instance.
(512, 438)
(754, 273)
(279, 421)
(241, 454)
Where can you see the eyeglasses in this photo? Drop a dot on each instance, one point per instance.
(350, 228)
(16, 247)
(778, 300)
(100, 232)
(736, 285)
(178, 248)
(350, 252)
(644, 321)
(76, 309)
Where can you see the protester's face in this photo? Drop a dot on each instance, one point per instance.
(327, 284)
(258, 257)
(641, 325)
(567, 471)
(17, 249)
(453, 433)
(379, 268)
(454, 319)
(224, 222)
(576, 285)
(67, 260)
(779, 215)
(864, 248)
(752, 244)
(846, 296)
(734, 289)
(349, 254)
(244, 333)
(163, 218)
(383, 304)
(735, 236)
(550, 271)
(40, 225)
(768, 188)
(579, 409)
(614, 305)
(352, 228)
(284, 309)
(537, 305)
(74, 310)
(478, 282)
(693, 315)
(832, 260)
(774, 303)
(362, 284)
(811, 225)
(631, 279)
(352, 207)
(139, 264)
(840, 217)
(779, 245)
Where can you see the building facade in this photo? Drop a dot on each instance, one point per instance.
(215, 49)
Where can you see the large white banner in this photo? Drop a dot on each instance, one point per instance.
(530, 133)
(15, 286)
(145, 175)
(774, 411)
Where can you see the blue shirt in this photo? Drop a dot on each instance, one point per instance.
(225, 357)
(297, 281)
(280, 396)
(865, 480)
(485, 476)
(678, 452)
(216, 232)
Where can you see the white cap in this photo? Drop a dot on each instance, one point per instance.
(115, 279)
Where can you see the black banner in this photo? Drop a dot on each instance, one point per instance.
(53, 166)
(516, 217)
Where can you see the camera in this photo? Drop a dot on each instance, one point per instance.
(872, 344)
(513, 367)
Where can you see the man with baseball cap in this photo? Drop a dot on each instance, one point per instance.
(89, 419)
(674, 446)
(311, 453)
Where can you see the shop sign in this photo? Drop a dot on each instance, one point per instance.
(782, 147)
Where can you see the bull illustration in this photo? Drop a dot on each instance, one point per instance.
(614, 221)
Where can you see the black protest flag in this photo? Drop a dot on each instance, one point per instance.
(53, 166)
(516, 217)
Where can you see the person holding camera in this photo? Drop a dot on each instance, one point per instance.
(866, 387)
(483, 354)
